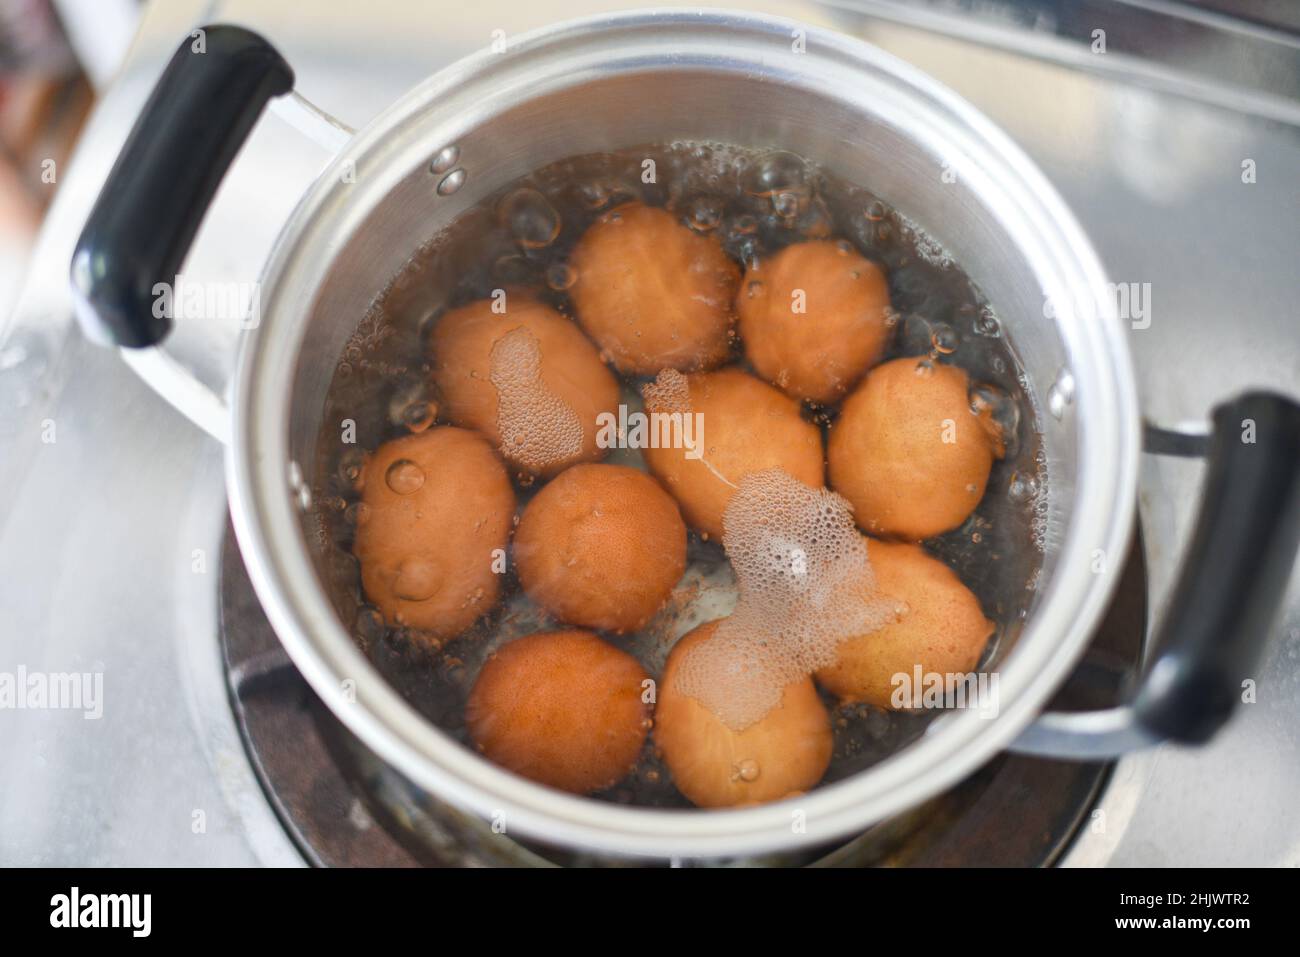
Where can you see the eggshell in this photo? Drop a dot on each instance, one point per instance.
(578, 384)
(907, 451)
(434, 509)
(562, 708)
(747, 426)
(783, 754)
(941, 628)
(652, 293)
(813, 318)
(601, 546)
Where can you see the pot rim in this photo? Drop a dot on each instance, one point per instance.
(269, 530)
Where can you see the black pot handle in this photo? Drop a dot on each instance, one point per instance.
(198, 116)
(1231, 584)
(1234, 574)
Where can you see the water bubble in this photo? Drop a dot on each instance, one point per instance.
(777, 172)
(743, 225)
(357, 514)
(1022, 489)
(746, 770)
(789, 203)
(875, 211)
(417, 579)
(1001, 410)
(451, 182)
(943, 339)
(746, 250)
(350, 465)
(1061, 394)
(704, 213)
(594, 196)
(444, 159)
(404, 477)
(531, 219)
(986, 324)
(410, 406)
(560, 276)
(816, 222)
(418, 416)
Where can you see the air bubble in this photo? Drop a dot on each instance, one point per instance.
(451, 182)
(775, 173)
(999, 412)
(350, 468)
(943, 339)
(531, 219)
(986, 324)
(1060, 396)
(404, 477)
(357, 514)
(417, 580)
(410, 406)
(704, 214)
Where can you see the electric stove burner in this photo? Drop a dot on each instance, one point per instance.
(345, 807)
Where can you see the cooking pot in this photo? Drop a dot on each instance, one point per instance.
(618, 81)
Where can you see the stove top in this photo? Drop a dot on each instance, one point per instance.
(113, 543)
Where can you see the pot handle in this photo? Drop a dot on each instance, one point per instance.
(1231, 583)
(209, 97)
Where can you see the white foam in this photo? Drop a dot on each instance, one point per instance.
(538, 428)
(805, 585)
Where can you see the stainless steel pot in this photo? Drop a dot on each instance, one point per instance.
(636, 78)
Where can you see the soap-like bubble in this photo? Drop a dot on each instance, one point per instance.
(538, 429)
(805, 585)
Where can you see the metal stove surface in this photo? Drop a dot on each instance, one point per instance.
(111, 535)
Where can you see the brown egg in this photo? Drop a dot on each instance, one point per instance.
(562, 708)
(653, 293)
(784, 753)
(434, 508)
(601, 546)
(747, 426)
(813, 318)
(528, 379)
(941, 627)
(907, 451)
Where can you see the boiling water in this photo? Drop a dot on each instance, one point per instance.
(756, 203)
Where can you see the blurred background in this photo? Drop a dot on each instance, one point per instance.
(53, 58)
